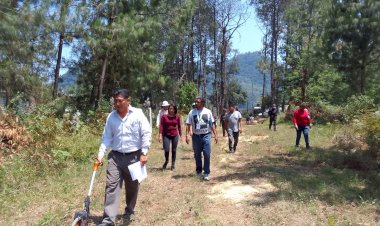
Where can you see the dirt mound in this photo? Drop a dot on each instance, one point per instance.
(238, 192)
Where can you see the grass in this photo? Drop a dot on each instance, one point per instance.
(288, 186)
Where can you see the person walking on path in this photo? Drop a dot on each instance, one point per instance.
(272, 117)
(234, 127)
(202, 123)
(302, 124)
(161, 112)
(224, 122)
(128, 132)
(170, 132)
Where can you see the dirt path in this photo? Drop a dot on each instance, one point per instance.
(241, 190)
(180, 198)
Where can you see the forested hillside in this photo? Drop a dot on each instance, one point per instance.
(250, 78)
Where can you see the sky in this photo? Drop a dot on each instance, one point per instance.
(248, 37)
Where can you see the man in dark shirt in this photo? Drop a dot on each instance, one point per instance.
(272, 117)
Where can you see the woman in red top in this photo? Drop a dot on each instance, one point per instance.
(302, 123)
(170, 131)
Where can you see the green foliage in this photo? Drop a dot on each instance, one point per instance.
(236, 95)
(96, 121)
(351, 41)
(266, 102)
(2, 177)
(357, 106)
(187, 93)
(371, 131)
(323, 113)
(328, 86)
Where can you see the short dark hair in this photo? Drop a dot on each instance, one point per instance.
(203, 101)
(174, 106)
(121, 92)
(231, 104)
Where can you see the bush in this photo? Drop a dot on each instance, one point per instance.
(371, 131)
(324, 113)
(357, 106)
(13, 136)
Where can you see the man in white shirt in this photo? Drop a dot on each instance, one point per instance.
(201, 122)
(163, 111)
(233, 118)
(128, 132)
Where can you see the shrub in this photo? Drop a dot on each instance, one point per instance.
(371, 131)
(186, 95)
(357, 106)
(13, 136)
(323, 113)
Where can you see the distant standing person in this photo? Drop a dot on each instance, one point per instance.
(161, 112)
(202, 123)
(272, 117)
(302, 124)
(234, 127)
(170, 132)
(224, 122)
(128, 132)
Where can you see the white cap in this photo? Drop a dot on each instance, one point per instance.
(165, 103)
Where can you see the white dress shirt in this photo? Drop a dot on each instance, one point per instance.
(159, 115)
(128, 134)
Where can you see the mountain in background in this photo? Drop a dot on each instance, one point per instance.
(67, 80)
(250, 79)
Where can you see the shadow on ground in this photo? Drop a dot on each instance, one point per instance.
(305, 175)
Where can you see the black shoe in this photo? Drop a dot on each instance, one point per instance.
(307, 146)
(164, 166)
(172, 167)
(129, 217)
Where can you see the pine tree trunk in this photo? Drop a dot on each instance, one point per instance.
(58, 65)
(101, 82)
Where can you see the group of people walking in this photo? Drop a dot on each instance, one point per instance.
(128, 133)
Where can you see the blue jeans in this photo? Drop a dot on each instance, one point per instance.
(305, 131)
(202, 144)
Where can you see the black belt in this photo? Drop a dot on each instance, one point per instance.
(126, 153)
(204, 134)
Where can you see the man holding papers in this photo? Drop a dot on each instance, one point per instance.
(128, 132)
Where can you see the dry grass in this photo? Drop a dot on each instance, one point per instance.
(266, 182)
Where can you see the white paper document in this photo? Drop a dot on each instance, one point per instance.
(137, 171)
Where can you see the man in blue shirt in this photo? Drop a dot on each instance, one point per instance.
(128, 133)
